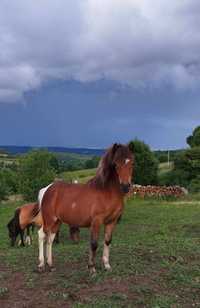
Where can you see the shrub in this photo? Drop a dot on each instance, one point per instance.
(146, 165)
(194, 186)
(4, 191)
(35, 171)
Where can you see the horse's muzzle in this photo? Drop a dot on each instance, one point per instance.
(125, 187)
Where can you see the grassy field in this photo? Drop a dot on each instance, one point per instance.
(165, 167)
(81, 175)
(155, 257)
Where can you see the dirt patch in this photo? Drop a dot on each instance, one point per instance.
(18, 295)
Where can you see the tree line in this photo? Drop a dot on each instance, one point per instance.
(38, 168)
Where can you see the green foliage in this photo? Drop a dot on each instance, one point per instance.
(194, 185)
(194, 139)
(71, 161)
(3, 187)
(145, 165)
(36, 170)
(186, 170)
(92, 163)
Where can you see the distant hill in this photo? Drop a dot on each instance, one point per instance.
(24, 149)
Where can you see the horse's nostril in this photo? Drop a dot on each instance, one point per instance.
(125, 187)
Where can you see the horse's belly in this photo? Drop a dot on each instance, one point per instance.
(75, 214)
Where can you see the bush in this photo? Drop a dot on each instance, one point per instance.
(194, 139)
(146, 165)
(4, 190)
(92, 163)
(36, 170)
(194, 186)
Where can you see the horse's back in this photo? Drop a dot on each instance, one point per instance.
(26, 211)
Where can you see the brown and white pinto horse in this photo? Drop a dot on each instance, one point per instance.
(23, 220)
(90, 205)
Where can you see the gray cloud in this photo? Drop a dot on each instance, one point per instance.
(139, 43)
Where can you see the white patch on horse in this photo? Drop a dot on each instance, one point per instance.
(19, 243)
(41, 193)
(28, 240)
(73, 205)
(127, 161)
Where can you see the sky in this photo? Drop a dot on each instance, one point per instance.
(88, 73)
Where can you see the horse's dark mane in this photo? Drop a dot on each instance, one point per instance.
(106, 173)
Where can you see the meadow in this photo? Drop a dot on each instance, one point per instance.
(155, 259)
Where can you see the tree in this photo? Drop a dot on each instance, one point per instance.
(4, 190)
(36, 170)
(92, 163)
(194, 139)
(187, 167)
(146, 165)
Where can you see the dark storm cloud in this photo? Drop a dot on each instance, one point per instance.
(139, 43)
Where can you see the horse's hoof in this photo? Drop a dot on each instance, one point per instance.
(92, 271)
(50, 268)
(108, 268)
(41, 269)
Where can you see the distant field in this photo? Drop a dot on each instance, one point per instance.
(84, 175)
(165, 167)
(81, 175)
(7, 160)
(155, 257)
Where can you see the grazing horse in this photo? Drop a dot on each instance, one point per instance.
(23, 219)
(99, 201)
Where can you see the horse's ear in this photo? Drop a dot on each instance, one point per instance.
(114, 148)
(131, 146)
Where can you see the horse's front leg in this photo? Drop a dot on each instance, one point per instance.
(106, 247)
(22, 238)
(95, 228)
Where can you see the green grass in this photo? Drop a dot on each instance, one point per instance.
(81, 175)
(165, 167)
(155, 258)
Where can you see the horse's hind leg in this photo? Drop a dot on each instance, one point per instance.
(50, 238)
(95, 228)
(41, 239)
(106, 247)
(28, 238)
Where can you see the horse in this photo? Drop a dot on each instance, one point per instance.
(23, 220)
(98, 202)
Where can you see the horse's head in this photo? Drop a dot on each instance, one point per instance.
(14, 228)
(116, 164)
(12, 231)
(123, 163)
